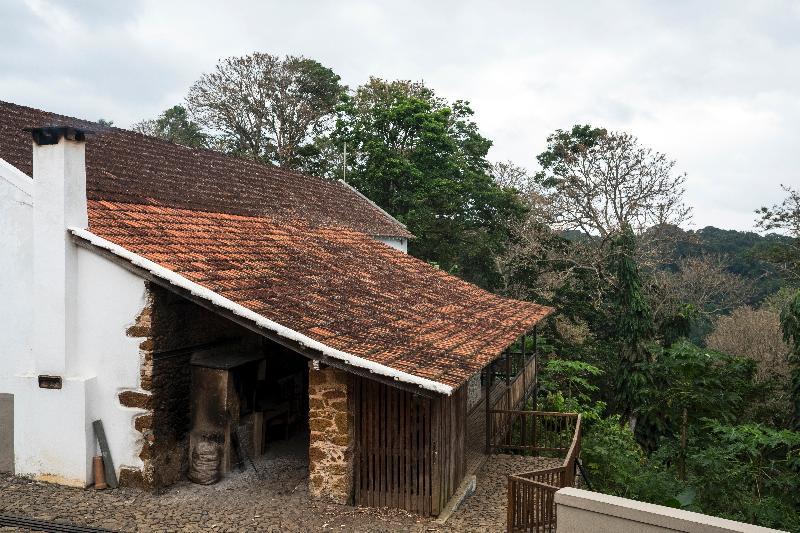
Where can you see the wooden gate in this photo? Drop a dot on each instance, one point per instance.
(409, 449)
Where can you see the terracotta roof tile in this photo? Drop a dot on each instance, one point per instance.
(336, 286)
(123, 166)
(289, 247)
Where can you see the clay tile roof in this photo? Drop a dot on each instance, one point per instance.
(124, 166)
(339, 287)
(291, 250)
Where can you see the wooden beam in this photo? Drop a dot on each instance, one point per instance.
(271, 335)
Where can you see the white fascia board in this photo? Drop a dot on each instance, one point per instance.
(16, 177)
(220, 301)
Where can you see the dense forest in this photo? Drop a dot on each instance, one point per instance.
(681, 347)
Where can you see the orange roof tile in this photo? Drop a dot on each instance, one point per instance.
(336, 286)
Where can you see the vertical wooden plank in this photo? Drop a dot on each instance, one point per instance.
(393, 441)
(426, 468)
(105, 451)
(406, 449)
(374, 474)
(356, 434)
(412, 454)
(437, 479)
(488, 407)
(381, 421)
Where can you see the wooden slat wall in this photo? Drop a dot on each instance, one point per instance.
(409, 450)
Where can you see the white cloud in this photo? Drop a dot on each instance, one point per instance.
(715, 85)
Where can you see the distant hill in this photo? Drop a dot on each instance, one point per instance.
(741, 251)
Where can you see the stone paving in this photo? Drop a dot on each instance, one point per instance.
(274, 499)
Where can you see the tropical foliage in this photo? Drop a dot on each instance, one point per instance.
(681, 347)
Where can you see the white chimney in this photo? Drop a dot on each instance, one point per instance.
(59, 202)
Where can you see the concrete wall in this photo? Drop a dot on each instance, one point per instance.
(111, 298)
(582, 511)
(397, 243)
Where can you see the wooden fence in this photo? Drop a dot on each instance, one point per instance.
(498, 417)
(409, 450)
(531, 504)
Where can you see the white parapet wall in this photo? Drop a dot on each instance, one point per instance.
(583, 511)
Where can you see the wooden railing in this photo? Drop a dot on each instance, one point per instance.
(498, 416)
(531, 504)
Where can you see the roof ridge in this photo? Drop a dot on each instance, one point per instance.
(362, 195)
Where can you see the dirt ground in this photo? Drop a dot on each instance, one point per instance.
(274, 497)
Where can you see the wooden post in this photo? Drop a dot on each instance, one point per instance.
(524, 390)
(535, 366)
(524, 372)
(487, 402)
(108, 463)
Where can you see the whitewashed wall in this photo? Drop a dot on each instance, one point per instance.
(398, 243)
(16, 261)
(53, 435)
(110, 300)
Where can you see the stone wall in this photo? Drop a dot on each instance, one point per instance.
(331, 441)
(474, 391)
(172, 327)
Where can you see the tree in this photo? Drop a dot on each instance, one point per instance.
(265, 107)
(105, 123)
(174, 125)
(691, 384)
(601, 182)
(784, 217)
(423, 160)
(790, 324)
(593, 184)
(697, 291)
(630, 325)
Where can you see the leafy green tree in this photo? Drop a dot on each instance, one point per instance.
(790, 324)
(174, 125)
(630, 325)
(568, 387)
(690, 384)
(265, 107)
(423, 160)
(748, 472)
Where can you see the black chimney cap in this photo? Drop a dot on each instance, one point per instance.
(53, 134)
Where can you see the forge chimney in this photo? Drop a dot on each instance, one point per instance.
(59, 199)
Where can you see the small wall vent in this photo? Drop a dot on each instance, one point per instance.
(49, 382)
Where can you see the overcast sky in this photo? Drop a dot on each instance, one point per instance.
(715, 85)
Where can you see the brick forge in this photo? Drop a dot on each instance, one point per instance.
(170, 328)
(330, 451)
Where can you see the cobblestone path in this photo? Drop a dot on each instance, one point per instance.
(276, 499)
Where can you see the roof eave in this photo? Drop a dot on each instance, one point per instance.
(329, 354)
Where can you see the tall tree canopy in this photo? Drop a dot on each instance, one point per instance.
(424, 161)
(174, 125)
(600, 182)
(266, 107)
